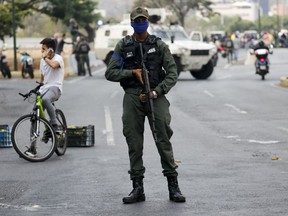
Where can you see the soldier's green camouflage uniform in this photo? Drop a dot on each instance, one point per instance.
(134, 112)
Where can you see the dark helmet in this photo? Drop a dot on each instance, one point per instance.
(261, 43)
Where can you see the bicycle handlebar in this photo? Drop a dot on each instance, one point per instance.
(33, 91)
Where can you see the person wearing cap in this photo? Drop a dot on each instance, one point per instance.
(125, 67)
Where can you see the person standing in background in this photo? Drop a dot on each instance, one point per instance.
(60, 44)
(229, 46)
(82, 50)
(77, 57)
(236, 45)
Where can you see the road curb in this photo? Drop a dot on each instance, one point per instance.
(284, 81)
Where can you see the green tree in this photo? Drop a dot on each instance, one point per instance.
(81, 10)
(5, 22)
(237, 24)
(179, 7)
(268, 23)
(6, 19)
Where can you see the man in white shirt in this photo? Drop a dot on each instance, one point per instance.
(52, 76)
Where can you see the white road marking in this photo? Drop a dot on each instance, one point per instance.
(34, 207)
(209, 94)
(236, 137)
(263, 142)
(231, 137)
(109, 127)
(4, 205)
(283, 129)
(236, 108)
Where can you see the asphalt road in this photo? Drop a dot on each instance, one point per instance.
(228, 131)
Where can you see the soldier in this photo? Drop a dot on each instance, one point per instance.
(82, 50)
(125, 67)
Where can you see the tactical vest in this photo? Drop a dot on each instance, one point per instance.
(132, 60)
(83, 48)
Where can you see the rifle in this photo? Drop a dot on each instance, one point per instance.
(148, 92)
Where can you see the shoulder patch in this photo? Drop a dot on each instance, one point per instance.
(152, 39)
(128, 40)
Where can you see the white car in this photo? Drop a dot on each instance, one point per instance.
(193, 56)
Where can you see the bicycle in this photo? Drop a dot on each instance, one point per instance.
(33, 137)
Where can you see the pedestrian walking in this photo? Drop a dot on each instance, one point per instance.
(236, 46)
(229, 46)
(125, 67)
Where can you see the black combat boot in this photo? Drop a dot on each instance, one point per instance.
(137, 194)
(175, 194)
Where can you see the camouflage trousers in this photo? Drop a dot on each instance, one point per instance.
(133, 118)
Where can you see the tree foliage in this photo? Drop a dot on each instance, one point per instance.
(179, 7)
(237, 24)
(270, 22)
(6, 19)
(81, 10)
(5, 22)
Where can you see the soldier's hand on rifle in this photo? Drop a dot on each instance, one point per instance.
(143, 97)
(138, 74)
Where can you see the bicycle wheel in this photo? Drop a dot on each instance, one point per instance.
(33, 138)
(61, 136)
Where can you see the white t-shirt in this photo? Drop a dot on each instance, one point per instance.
(52, 77)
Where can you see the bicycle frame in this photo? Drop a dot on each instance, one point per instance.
(38, 111)
(38, 108)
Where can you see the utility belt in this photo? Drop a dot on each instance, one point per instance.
(135, 91)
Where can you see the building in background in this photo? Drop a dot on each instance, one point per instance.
(245, 9)
(280, 9)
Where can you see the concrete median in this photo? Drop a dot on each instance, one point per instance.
(284, 81)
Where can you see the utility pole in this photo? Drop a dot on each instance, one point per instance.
(278, 24)
(14, 35)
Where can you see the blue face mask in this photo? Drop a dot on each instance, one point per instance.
(140, 27)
